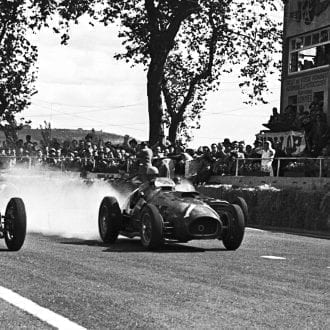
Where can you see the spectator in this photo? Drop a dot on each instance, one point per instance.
(267, 157)
(279, 152)
(28, 145)
(319, 130)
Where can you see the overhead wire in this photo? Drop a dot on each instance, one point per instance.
(77, 115)
(98, 121)
(105, 107)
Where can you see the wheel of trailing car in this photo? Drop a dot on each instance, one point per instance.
(15, 224)
(243, 205)
(151, 227)
(109, 219)
(233, 235)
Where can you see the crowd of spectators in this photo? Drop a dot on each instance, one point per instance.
(311, 121)
(92, 155)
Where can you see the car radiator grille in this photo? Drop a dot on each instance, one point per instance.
(204, 226)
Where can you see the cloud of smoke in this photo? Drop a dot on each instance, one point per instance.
(58, 203)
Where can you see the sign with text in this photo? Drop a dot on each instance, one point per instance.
(290, 140)
(305, 87)
(306, 15)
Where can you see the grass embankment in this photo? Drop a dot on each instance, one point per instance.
(289, 208)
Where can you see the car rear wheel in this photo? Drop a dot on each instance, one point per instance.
(233, 235)
(151, 228)
(15, 224)
(240, 201)
(109, 219)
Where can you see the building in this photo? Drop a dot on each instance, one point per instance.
(306, 55)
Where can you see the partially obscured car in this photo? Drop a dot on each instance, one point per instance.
(13, 224)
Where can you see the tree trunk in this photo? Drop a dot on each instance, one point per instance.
(154, 90)
(155, 110)
(173, 129)
(161, 42)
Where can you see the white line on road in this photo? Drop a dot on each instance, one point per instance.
(273, 257)
(34, 309)
(254, 229)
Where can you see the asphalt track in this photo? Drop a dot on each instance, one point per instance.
(195, 285)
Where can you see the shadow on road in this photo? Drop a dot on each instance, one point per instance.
(123, 245)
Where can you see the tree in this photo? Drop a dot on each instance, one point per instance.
(209, 32)
(195, 70)
(17, 65)
(149, 28)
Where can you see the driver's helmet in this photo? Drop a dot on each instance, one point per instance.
(152, 172)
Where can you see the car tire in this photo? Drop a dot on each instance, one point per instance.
(233, 235)
(151, 231)
(110, 219)
(15, 224)
(243, 205)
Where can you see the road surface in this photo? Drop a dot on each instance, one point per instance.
(272, 280)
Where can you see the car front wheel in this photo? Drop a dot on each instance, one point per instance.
(234, 233)
(151, 228)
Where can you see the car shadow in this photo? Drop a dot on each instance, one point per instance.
(123, 245)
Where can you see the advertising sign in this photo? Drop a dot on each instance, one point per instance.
(306, 15)
(292, 140)
(305, 87)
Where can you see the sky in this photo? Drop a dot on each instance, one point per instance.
(81, 85)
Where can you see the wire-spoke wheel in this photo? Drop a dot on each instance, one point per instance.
(151, 227)
(146, 228)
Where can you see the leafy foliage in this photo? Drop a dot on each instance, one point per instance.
(211, 43)
(185, 46)
(17, 62)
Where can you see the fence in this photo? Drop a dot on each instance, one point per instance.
(63, 163)
(294, 166)
(282, 166)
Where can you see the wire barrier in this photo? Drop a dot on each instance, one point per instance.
(281, 166)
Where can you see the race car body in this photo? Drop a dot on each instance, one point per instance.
(161, 210)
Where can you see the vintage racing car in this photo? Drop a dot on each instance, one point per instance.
(13, 224)
(162, 210)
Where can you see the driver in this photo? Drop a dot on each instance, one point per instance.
(152, 173)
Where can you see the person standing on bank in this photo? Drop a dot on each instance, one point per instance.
(267, 157)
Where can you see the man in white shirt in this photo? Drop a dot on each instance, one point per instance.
(267, 157)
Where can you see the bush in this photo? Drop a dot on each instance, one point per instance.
(290, 208)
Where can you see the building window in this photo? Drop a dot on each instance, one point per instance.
(309, 51)
(292, 100)
(318, 97)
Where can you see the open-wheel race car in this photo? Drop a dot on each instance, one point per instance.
(13, 224)
(161, 210)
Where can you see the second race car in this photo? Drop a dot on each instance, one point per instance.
(161, 210)
(13, 224)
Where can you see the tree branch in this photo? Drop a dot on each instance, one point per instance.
(184, 10)
(167, 97)
(3, 31)
(152, 16)
(207, 72)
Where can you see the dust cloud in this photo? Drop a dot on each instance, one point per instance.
(57, 203)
